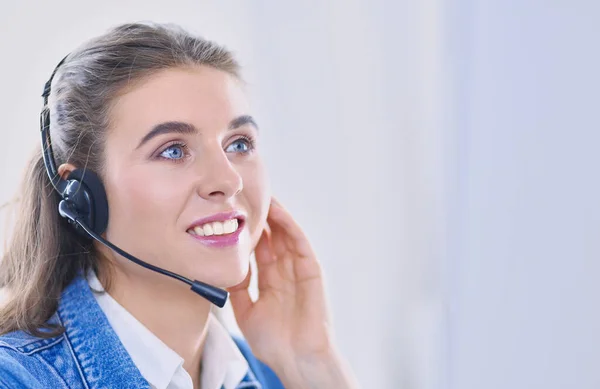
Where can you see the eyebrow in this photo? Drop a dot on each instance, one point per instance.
(175, 127)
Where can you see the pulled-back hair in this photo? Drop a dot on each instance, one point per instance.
(44, 253)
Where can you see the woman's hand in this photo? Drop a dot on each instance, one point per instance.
(288, 327)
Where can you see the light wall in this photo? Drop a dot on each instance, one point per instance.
(346, 93)
(523, 265)
(441, 155)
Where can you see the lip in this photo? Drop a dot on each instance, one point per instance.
(219, 217)
(220, 241)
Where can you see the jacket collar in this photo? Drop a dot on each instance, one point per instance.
(100, 355)
(102, 359)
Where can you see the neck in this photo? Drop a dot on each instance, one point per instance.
(168, 308)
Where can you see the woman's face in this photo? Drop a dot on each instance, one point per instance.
(182, 147)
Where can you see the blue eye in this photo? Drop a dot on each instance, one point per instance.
(241, 145)
(173, 152)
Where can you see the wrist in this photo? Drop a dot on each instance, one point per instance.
(326, 370)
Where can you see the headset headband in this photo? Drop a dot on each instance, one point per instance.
(49, 161)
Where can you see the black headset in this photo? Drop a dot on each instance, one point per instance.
(84, 204)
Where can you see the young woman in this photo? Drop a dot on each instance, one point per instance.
(161, 118)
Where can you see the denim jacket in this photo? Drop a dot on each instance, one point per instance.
(89, 354)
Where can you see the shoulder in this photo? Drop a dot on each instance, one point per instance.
(264, 374)
(23, 343)
(24, 359)
(15, 366)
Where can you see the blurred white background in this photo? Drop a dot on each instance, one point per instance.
(440, 155)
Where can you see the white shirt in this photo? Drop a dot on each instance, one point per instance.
(223, 365)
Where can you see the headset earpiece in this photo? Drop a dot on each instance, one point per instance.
(86, 197)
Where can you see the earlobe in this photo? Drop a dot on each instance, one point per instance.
(65, 169)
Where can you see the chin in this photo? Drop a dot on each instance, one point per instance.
(225, 274)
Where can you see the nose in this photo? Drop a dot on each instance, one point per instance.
(218, 179)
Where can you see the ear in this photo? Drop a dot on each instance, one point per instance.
(65, 169)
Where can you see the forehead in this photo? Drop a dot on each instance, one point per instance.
(201, 95)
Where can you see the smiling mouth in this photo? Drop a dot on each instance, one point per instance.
(217, 228)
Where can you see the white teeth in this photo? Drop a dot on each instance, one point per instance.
(216, 228)
(208, 230)
(228, 227)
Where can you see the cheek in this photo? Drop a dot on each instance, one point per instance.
(139, 201)
(257, 193)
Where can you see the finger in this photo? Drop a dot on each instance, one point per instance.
(307, 270)
(285, 229)
(305, 265)
(280, 243)
(263, 251)
(240, 297)
(265, 263)
(283, 219)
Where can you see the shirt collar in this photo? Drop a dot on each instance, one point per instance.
(223, 364)
(222, 361)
